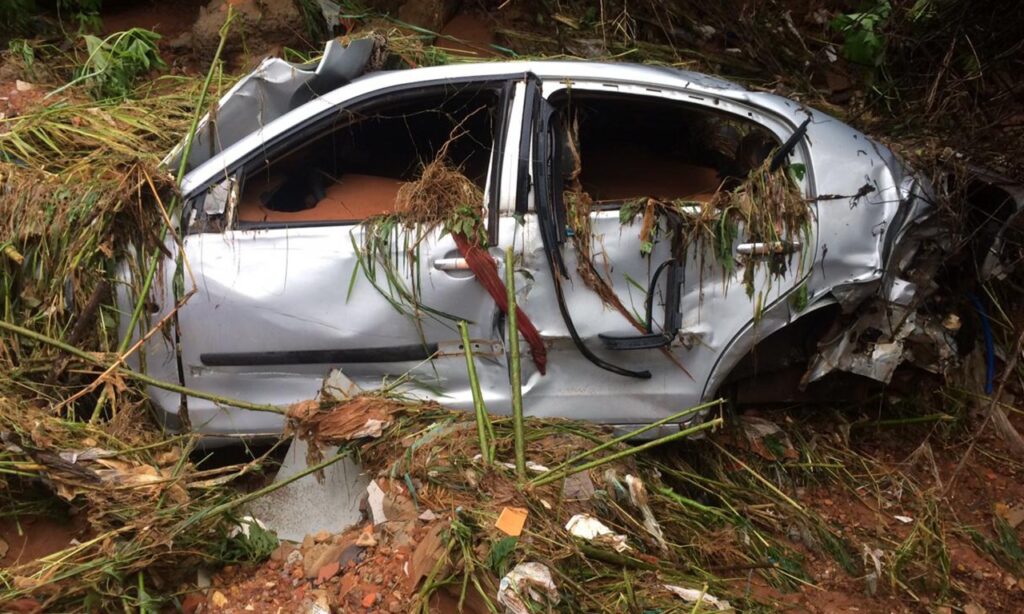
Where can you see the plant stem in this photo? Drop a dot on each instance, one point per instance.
(478, 400)
(552, 476)
(514, 367)
(154, 260)
(639, 431)
(90, 358)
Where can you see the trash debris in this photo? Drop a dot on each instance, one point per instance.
(1012, 514)
(375, 499)
(578, 487)
(589, 528)
(767, 439)
(244, 526)
(527, 584)
(699, 597)
(512, 520)
(872, 558)
(638, 497)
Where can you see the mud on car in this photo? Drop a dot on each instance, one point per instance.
(676, 237)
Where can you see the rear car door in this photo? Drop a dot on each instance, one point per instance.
(299, 269)
(608, 160)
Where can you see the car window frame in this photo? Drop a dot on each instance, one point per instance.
(197, 221)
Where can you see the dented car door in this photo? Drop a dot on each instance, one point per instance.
(288, 292)
(635, 302)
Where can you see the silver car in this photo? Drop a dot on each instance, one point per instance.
(281, 292)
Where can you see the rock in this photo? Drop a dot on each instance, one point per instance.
(369, 599)
(351, 554)
(318, 556)
(282, 551)
(218, 599)
(328, 571)
(191, 602)
(308, 542)
(322, 537)
(23, 86)
(366, 539)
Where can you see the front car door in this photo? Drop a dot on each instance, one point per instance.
(298, 268)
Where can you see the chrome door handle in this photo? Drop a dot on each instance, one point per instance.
(770, 248)
(451, 264)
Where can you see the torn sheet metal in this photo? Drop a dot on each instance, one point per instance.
(270, 91)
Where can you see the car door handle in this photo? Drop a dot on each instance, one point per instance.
(769, 248)
(451, 264)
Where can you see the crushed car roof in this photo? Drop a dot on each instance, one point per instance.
(276, 88)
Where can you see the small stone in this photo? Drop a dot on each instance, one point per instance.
(322, 536)
(369, 599)
(366, 539)
(350, 554)
(308, 541)
(328, 571)
(281, 552)
(218, 599)
(191, 603)
(23, 86)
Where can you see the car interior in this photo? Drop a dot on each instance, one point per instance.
(631, 147)
(355, 171)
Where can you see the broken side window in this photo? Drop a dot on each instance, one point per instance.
(621, 147)
(354, 171)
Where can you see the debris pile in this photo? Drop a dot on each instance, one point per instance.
(443, 526)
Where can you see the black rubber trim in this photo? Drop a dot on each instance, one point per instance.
(497, 161)
(394, 353)
(530, 110)
(549, 234)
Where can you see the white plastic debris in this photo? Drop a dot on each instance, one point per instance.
(691, 595)
(591, 529)
(872, 559)
(530, 465)
(638, 497)
(527, 581)
(904, 519)
(375, 499)
(244, 526)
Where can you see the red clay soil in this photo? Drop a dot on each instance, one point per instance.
(33, 537)
(168, 19)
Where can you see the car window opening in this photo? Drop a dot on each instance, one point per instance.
(354, 172)
(633, 147)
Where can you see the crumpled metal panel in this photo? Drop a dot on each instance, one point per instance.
(267, 93)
